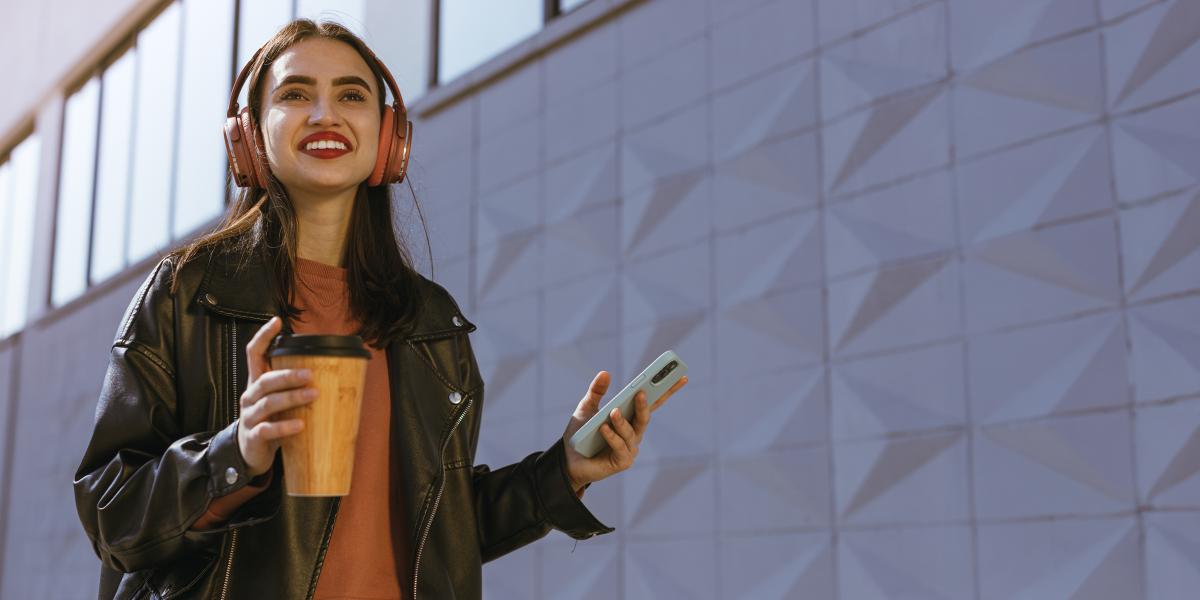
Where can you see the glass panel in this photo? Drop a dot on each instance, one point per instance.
(565, 6)
(348, 13)
(400, 35)
(74, 210)
(22, 187)
(258, 21)
(200, 166)
(112, 177)
(472, 31)
(154, 134)
(6, 227)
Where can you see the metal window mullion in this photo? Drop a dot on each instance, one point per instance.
(435, 36)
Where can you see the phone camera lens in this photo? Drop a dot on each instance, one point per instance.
(665, 371)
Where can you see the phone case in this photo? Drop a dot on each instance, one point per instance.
(656, 379)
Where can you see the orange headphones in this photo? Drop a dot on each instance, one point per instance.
(247, 156)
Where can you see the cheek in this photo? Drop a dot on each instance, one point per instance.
(368, 139)
(277, 126)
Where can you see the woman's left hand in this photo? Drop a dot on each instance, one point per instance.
(623, 436)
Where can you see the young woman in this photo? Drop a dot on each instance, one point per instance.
(180, 489)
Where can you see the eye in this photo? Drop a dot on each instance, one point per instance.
(354, 96)
(290, 94)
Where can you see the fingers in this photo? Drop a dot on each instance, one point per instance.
(641, 412)
(269, 431)
(274, 381)
(675, 388)
(622, 426)
(622, 454)
(276, 402)
(257, 347)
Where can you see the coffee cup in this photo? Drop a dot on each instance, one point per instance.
(319, 460)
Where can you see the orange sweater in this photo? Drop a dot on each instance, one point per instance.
(361, 561)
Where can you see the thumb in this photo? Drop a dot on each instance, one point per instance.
(256, 349)
(591, 400)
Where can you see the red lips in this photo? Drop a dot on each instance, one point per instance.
(330, 152)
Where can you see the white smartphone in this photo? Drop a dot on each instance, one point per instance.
(656, 379)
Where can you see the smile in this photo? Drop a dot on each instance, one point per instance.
(325, 145)
(325, 150)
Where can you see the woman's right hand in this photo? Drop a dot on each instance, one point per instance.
(268, 392)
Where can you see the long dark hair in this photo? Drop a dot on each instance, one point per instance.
(262, 223)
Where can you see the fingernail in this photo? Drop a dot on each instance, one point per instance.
(305, 373)
(310, 393)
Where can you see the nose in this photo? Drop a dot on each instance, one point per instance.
(324, 112)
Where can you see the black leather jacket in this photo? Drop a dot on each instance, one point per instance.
(165, 444)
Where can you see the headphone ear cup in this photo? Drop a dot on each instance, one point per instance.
(239, 153)
(384, 150)
(244, 148)
(395, 140)
(254, 149)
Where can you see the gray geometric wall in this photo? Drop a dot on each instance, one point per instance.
(935, 267)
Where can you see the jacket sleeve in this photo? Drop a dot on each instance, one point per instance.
(519, 504)
(142, 481)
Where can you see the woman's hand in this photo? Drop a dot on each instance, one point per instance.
(268, 392)
(623, 437)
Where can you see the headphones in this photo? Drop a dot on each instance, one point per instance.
(247, 153)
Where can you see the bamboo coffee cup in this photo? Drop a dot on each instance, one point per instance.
(319, 461)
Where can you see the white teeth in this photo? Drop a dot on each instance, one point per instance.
(324, 145)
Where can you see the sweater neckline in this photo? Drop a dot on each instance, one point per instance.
(311, 268)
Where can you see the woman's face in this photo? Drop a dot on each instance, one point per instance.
(320, 117)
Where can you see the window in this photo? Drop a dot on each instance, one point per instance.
(472, 31)
(258, 21)
(154, 135)
(112, 175)
(200, 154)
(74, 210)
(18, 197)
(143, 162)
(568, 5)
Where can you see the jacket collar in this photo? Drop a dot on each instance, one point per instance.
(236, 287)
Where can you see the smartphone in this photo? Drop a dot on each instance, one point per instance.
(656, 379)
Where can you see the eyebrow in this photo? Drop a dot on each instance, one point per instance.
(306, 80)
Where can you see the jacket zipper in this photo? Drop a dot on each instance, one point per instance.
(236, 405)
(438, 498)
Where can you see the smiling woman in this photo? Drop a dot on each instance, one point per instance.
(180, 489)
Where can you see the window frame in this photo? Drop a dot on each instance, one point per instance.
(551, 9)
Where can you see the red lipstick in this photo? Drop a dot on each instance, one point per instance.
(325, 144)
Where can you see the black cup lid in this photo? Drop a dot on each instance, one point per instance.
(319, 345)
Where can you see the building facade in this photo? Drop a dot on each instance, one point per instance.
(934, 265)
